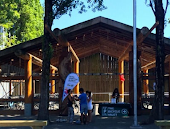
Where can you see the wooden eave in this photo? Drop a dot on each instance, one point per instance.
(98, 35)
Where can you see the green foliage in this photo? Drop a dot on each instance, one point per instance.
(23, 19)
(9, 13)
(61, 7)
(11, 41)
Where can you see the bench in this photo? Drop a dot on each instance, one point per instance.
(35, 124)
(163, 124)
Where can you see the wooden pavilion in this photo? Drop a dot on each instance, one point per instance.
(101, 51)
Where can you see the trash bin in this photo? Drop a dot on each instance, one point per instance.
(119, 109)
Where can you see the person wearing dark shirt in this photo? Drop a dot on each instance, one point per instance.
(116, 95)
(70, 107)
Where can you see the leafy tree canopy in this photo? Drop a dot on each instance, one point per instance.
(8, 13)
(22, 20)
(66, 6)
(61, 7)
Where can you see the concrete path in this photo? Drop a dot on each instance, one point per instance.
(103, 123)
(97, 122)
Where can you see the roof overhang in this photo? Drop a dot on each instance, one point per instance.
(98, 35)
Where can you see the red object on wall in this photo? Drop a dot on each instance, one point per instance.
(122, 77)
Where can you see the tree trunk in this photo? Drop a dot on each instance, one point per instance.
(158, 106)
(43, 113)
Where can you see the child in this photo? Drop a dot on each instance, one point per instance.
(89, 105)
(70, 107)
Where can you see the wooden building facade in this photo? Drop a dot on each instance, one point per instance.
(101, 51)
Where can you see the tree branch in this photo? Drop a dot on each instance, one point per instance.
(167, 3)
(152, 7)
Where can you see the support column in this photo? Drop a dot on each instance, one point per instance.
(131, 86)
(121, 83)
(52, 82)
(33, 87)
(39, 86)
(145, 83)
(20, 90)
(76, 70)
(28, 87)
(169, 82)
(10, 88)
(139, 83)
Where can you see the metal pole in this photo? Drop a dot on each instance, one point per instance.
(135, 125)
(134, 63)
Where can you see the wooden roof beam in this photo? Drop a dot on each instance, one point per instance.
(153, 64)
(23, 77)
(35, 60)
(88, 51)
(142, 35)
(63, 41)
(149, 65)
(75, 57)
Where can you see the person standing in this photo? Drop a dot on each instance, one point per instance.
(115, 96)
(70, 106)
(83, 105)
(89, 105)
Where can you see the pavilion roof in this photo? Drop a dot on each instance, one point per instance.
(98, 35)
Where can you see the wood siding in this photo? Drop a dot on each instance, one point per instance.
(104, 84)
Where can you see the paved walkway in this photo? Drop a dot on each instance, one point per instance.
(97, 122)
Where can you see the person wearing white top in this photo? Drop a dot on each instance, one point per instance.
(89, 105)
(115, 96)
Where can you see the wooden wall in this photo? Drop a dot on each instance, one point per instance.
(99, 63)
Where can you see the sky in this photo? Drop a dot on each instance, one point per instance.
(118, 10)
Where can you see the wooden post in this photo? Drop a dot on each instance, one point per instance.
(131, 89)
(20, 90)
(169, 82)
(139, 83)
(52, 82)
(145, 83)
(121, 83)
(39, 86)
(28, 86)
(33, 87)
(76, 70)
(10, 88)
(131, 86)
